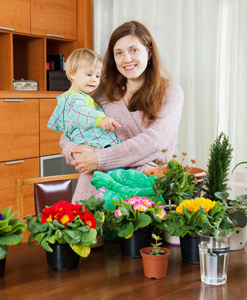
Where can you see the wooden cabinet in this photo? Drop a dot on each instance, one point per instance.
(49, 139)
(24, 136)
(19, 127)
(54, 31)
(15, 15)
(54, 18)
(29, 59)
(27, 168)
(6, 59)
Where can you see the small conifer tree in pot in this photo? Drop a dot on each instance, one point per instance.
(218, 167)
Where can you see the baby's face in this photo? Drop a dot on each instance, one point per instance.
(86, 79)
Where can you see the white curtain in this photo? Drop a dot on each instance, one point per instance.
(203, 43)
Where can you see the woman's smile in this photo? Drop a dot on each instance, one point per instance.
(130, 68)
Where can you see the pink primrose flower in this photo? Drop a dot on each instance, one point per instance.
(133, 200)
(141, 207)
(118, 213)
(148, 202)
(162, 213)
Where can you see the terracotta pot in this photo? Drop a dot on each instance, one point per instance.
(155, 266)
(198, 172)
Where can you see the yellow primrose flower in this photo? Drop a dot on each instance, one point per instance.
(193, 205)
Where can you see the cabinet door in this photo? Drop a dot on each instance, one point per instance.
(19, 127)
(54, 17)
(15, 15)
(49, 139)
(9, 171)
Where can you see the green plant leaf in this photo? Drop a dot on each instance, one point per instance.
(3, 251)
(83, 251)
(6, 212)
(126, 230)
(72, 236)
(222, 195)
(89, 238)
(240, 163)
(143, 221)
(242, 198)
(46, 245)
(11, 239)
(217, 208)
(238, 218)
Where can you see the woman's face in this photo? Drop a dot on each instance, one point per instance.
(131, 57)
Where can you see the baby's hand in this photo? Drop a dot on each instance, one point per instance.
(108, 124)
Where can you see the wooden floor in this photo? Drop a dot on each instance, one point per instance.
(107, 275)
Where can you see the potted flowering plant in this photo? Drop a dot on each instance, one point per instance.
(11, 233)
(134, 219)
(63, 224)
(176, 182)
(190, 217)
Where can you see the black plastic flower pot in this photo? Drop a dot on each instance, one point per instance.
(189, 249)
(63, 258)
(141, 238)
(2, 266)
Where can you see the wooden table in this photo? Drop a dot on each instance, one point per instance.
(106, 275)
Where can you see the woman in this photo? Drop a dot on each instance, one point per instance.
(137, 92)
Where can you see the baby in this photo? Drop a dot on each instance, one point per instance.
(77, 114)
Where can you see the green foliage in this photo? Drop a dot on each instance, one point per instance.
(93, 205)
(131, 220)
(176, 184)
(236, 209)
(218, 167)
(156, 247)
(96, 207)
(192, 222)
(11, 231)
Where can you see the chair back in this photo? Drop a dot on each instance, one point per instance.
(48, 190)
(49, 193)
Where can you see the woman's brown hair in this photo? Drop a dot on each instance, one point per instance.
(152, 93)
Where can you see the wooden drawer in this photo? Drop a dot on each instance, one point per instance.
(15, 15)
(19, 126)
(49, 139)
(60, 18)
(28, 168)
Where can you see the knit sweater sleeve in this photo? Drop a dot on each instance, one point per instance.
(146, 146)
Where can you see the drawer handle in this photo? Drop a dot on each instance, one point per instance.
(13, 100)
(56, 35)
(6, 28)
(14, 162)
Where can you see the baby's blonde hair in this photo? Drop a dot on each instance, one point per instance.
(82, 58)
